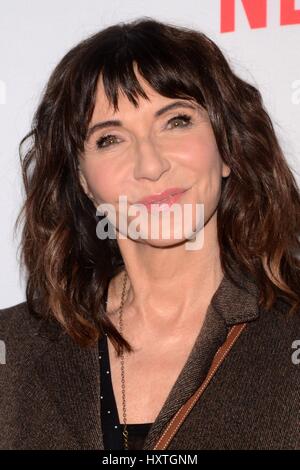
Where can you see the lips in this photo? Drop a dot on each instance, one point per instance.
(161, 197)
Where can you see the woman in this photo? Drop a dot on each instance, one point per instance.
(119, 331)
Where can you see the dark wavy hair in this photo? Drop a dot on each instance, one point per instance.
(68, 266)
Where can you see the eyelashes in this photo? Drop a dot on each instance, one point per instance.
(186, 118)
(108, 138)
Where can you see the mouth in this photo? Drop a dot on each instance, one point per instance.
(163, 197)
(164, 203)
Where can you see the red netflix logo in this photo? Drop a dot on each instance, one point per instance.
(256, 12)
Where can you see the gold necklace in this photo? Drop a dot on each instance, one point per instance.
(125, 431)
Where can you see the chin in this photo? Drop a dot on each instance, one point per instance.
(162, 243)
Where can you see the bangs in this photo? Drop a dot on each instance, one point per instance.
(175, 62)
(161, 59)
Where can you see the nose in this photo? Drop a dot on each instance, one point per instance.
(149, 162)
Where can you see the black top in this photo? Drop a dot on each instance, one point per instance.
(111, 427)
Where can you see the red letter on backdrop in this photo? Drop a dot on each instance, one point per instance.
(288, 13)
(256, 11)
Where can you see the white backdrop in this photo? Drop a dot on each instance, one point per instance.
(35, 34)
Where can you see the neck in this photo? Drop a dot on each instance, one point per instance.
(167, 286)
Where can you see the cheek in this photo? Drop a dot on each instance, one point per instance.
(200, 153)
(201, 156)
(103, 179)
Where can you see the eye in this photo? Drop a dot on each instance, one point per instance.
(106, 139)
(109, 139)
(181, 118)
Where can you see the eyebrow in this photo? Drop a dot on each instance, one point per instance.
(118, 123)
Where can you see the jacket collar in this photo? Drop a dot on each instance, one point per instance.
(236, 298)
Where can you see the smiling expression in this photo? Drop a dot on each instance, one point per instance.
(138, 152)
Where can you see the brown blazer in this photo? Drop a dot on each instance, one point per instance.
(50, 387)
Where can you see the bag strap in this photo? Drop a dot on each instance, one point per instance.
(177, 420)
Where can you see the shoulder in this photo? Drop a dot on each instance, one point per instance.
(280, 322)
(24, 333)
(17, 321)
(14, 319)
(275, 329)
(271, 347)
(7, 313)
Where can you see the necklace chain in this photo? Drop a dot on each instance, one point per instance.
(125, 430)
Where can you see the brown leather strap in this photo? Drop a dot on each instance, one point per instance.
(182, 413)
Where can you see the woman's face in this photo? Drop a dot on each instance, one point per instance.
(149, 151)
